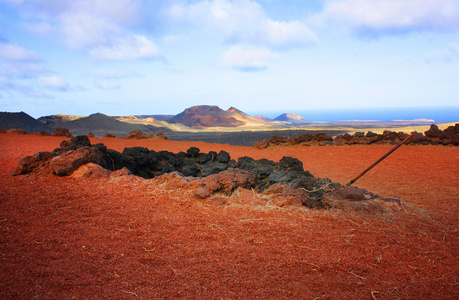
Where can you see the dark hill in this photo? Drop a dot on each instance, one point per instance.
(23, 121)
(207, 116)
(100, 124)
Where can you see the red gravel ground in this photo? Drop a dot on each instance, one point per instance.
(127, 238)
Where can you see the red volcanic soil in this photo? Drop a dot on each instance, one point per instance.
(127, 238)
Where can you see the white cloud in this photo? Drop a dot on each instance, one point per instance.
(453, 49)
(82, 30)
(13, 52)
(174, 40)
(122, 11)
(242, 21)
(41, 28)
(448, 54)
(11, 86)
(19, 62)
(378, 17)
(22, 69)
(107, 85)
(53, 82)
(248, 59)
(102, 28)
(114, 74)
(137, 47)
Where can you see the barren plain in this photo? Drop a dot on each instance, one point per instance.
(128, 238)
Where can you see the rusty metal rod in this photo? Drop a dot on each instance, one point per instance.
(379, 160)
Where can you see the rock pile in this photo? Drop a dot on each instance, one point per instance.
(283, 183)
(61, 132)
(15, 131)
(433, 136)
(137, 134)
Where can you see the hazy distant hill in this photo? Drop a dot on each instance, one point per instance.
(292, 118)
(100, 124)
(55, 121)
(156, 117)
(263, 118)
(23, 121)
(207, 116)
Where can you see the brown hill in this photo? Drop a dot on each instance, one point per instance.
(263, 118)
(208, 116)
(205, 116)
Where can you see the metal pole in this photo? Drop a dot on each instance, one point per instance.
(379, 160)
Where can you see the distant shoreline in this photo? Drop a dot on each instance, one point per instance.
(439, 114)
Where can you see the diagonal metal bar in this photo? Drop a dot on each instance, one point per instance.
(379, 160)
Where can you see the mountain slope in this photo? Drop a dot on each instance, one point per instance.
(156, 117)
(207, 116)
(23, 121)
(263, 118)
(291, 118)
(100, 124)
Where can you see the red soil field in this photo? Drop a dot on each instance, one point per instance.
(128, 238)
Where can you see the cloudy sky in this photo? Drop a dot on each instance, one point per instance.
(159, 57)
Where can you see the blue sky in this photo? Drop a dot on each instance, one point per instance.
(160, 57)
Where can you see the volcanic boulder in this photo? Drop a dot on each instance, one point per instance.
(68, 162)
(61, 132)
(32, 163)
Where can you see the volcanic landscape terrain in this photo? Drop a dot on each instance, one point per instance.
(206, 123)
(107, 235)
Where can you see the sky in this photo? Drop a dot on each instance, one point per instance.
(133, 57)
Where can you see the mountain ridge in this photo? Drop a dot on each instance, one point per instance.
(292, 118)
(202, 116)
(22, 120)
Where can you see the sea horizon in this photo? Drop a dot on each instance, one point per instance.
(438, 114)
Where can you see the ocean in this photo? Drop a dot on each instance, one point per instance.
(438, 114)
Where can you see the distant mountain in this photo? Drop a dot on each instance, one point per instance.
(23, 121)
(292, 118)
(238, 113)
(100, 124)
(209, 116)
(156, 117)
(55, 121)
(263, 118)
(144, 121)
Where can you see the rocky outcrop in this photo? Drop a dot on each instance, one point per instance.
(71, 160)
(17, 131)
(433, 136)
(359, 200)
(211, 176)
(61, 132)
(42, 133)
(137, 134)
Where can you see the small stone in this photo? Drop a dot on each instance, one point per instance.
(202, 192)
